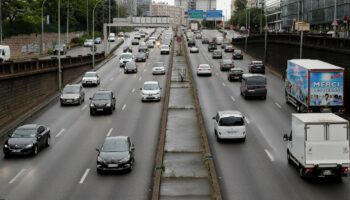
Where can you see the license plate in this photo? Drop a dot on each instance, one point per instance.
(88, 82)
(100, 109)
(231, 132)
(251, 90)
(69, 100)
(327, 172)
(16, 150)
(112, 165)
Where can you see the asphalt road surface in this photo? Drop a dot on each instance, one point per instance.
(67, 169)
(257, 168)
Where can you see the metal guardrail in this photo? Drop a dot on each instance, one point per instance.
(15, 68)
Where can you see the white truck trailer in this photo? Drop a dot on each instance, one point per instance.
(319, 145)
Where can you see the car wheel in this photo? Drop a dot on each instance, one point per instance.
(288, 158)
(111, 110)
(100, 171)
(92, 112)
(35, 150)
(301, 172)
(62, 104)
(48, 141)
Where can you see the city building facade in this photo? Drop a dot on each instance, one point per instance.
(205, 4)
(175, 12)
(319, 13)
(144, 7)
(273, 13)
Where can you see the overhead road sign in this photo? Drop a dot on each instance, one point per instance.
(196, 14)
(214, 15)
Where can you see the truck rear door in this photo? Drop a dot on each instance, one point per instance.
(327, 145)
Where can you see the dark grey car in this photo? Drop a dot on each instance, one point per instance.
(140, 57)
(72, 94)
(102, 100)
(27, 140)
(130, 67)
(116, 153)
(253, 85)
(217, 54)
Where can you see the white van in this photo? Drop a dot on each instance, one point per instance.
(5, 53)
(229, 124)
(219, 40)
(111, 37)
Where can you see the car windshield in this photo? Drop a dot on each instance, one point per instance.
(231, 121)
(256, 81)
(58, 46)
(165, 47)
(71, 89)
(115, 145)
(143, 47)
(152, 86)
(89, 40)
(140, 55)
(24, 133)
(126, 56)
(204, 66)
(227, 61)
(102, 96)
(158, 64)
(130, 65)
(90, 75)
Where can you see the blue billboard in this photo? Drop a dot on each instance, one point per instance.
(326, 89)
(297, 82)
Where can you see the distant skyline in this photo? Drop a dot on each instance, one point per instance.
(220, 4)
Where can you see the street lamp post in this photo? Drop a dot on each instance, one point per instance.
(335, 17)
(246, 29)
(59, 45)
(93, 33)
(0, 22)
(261, 12)
(42, 27)
(67, 24)
(87, 17)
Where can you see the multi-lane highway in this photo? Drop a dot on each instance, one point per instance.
(67, 169)
(257, 168)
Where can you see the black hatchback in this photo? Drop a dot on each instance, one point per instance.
(253, 85)
(211, 47)
(256, 67)
(116, 154)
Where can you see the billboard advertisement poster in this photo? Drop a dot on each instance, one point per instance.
(326, 89)
(297, 82)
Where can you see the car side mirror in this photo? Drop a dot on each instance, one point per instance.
(213, 117)
(10, 135)
(285, 137)
(113, 97)
(98, 150)
(132, 148)
(90, 98)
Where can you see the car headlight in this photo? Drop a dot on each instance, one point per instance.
(100, 160)
(126, 159)
(92, 105)
(157, 93)
(108, 104)
(5, 145)
(29, 146)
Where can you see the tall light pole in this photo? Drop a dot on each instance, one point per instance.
(59, 44)
(335, 18)
(42, 27)
(93, 33)
(261, 12)
(67, 23)
(246, 30)
(0, 22)
(87, 17)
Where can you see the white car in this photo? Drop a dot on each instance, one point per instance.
(204, 69)
(164, 49)
(150, 91)
(90, 78)
(150, 44)
(88, 43)
(229, 124)
(111, 37)
(194, 49)
(158, 68)
(124, 58)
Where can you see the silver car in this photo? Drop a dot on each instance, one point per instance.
(72, 94)
(158, 68)
(91, 78)
(204, 69)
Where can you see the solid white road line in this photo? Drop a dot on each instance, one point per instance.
(223, 84)
(84, 107)
(18, 175)
(269, 155)
(133, 90)
(60, 133)
(233, 99)
(109, 132)
(84, 176)
(123, 108)
(278, 105)
(247, 120)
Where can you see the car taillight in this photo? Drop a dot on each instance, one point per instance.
(309, 170)
(345, 170)
(221, 65)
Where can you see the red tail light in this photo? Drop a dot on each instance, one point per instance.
(309, 170)
(345, 170)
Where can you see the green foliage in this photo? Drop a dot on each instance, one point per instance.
(24, 16)
(239, 18)
(240, 5)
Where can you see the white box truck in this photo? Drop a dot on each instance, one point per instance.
(314, 86)
(319, 145)
(5, 53)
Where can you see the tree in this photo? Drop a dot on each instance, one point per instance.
(240, 5)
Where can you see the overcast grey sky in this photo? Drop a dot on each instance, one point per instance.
(224, 5)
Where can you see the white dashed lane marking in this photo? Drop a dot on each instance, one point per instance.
(60, 133)
(17, 176)
(84, 176)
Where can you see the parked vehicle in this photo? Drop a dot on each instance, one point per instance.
(111, 37)
(253, 85)
(62, 49)
(314, 86)
(256, 67)
(27, 140)
(101, 101)
(88, 43)
(229, 124)
(116, 154)
(5, 53)
(319, 145)
(234, 74)
(72, 94)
